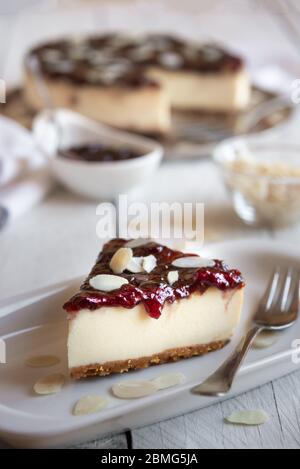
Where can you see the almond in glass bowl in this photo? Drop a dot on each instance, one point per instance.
(263, 179)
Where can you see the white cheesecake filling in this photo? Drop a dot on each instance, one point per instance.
(207, 91)
(115, 333)
(144, 109)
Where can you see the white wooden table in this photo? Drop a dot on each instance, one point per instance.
(57, 240)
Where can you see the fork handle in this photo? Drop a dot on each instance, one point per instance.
(220, 382)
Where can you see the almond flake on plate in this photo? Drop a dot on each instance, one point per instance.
(168, 380)
(149, 263)
(136, 243)
(120, 260)
(107, 283)
(50, 384)
(193, 262)
(265, 339)
(133, 389)
(248, 417)
(173, 276)
(42, 361)
(89, 405)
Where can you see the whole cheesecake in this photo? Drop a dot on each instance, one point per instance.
(145, 304)
(134, 82)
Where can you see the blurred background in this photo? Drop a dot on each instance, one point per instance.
(266, 32)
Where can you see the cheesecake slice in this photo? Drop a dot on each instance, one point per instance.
(134, 82)
(132, 103)
(145, 304)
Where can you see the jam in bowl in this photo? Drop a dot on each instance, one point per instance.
(92, 159)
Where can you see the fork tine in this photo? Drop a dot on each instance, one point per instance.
(285, 291)
(282, 292)
(293, 297)
(268, 297)
(284, 310)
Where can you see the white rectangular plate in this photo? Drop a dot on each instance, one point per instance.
(35, 324)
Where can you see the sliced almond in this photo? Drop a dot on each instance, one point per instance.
(50, 384)
(171, 59)
(211, 53)
(193, 262)
(51, 55)
(77, 40)
(141, 53)
(173, 276)
(149, 263)
(136, 265)
(42, 361)
(107, 283)
(63, 66)
(89, 405)
(265, 339)
(136, 243)
(120, 260)
(168, 380)
(248, 417)
(133, 389)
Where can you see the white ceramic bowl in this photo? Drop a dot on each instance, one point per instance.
(61, 129)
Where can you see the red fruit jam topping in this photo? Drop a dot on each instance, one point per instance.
(96, 152)
(152, 289)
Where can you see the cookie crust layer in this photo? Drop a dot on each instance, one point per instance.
(122, 366)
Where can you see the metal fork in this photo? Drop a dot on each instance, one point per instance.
(278, 309)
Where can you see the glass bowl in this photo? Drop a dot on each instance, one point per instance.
(263, 179)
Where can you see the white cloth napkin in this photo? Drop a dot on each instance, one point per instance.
(24, 175)
(17, 151)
